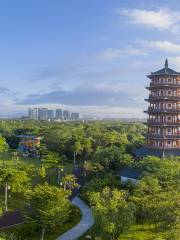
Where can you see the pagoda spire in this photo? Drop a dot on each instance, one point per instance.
(166, 63)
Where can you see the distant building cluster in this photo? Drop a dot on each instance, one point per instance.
(49, 114)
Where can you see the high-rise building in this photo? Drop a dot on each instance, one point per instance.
(59, 114)
(163, 134)
(66, 115)
(35, 113)
(43, 113)
(30, 113)
(74, 116)
(46, 114)
(50, 114)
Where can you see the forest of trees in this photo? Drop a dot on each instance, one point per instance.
(101, 149)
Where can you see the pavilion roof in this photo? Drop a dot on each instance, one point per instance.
(28, 136)
(131, 172)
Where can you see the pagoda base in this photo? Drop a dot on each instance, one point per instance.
(145, 151)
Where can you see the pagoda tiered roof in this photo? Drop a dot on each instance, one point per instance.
(163, 123)
(164, 71)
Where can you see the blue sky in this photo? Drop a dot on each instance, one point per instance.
(87, 56)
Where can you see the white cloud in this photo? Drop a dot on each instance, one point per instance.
(175, 61)
(162, 19)
(164, 46)
(114, 53)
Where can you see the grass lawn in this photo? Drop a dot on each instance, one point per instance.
(16, 201)
(7, 159)
(135, 233)
(75, 218)
(139, 233)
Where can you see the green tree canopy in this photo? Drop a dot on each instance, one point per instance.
(49, 206)
(112, 212)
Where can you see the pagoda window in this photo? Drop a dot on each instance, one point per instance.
(169, 131)
(178, 130)
(169, 92)
(169, 105)
(169, 118)
(169, 80)
(173, 106)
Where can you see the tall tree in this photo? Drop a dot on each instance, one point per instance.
(15, 180)
(42, 173)
(50, 206)
(3, 147)
(52, 160)
(112, 212)
(69, 181)
(146, 190)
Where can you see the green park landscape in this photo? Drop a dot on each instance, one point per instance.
(41, 188)
(90, 120)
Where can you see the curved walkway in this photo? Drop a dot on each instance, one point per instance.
(86, 222)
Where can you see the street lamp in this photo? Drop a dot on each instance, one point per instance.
(60, 173)
(7, 187)
(74, 160)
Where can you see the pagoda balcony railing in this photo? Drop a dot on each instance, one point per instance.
(164, 84)
(164, 95)
(162, 123)
(162, 110)
(157, 98)
(162, 136)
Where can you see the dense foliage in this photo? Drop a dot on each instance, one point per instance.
(101, 149)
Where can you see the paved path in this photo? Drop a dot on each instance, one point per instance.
(86, 222)
(11, 218)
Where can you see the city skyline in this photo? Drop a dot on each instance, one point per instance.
(90, 58)
(43, 113)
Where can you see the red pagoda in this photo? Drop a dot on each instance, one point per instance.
(163, 133)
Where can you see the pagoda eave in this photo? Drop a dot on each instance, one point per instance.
(150, 124)
(162, 137)
(152, 75)
(162, 86)
(162, 111)
(157, 99)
